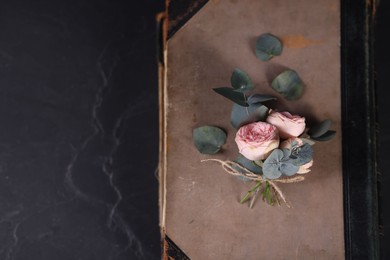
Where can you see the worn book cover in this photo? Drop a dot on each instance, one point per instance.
(200, 213)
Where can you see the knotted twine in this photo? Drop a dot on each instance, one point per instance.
(231, 167)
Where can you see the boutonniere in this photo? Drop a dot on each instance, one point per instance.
(274, 146)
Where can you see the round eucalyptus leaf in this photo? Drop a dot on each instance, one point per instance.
(288, 168)
(245, 115)
(325, 137)
(259, 98)
(288, 84)
(301, 155)
(209, 139)
(267, 46)
(320, 129)
(250, 165)
(229, 93)
(241, 82)
(271, 166)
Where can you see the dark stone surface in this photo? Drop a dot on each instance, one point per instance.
(79, 130)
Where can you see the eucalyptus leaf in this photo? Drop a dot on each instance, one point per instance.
(288, 84)
(320, 129)
(209, 139)
(259, 98)
(267, 46)
(250, 165)
(307, 141)
(281, 163)
(241, 82)
(236, 97)
(325, 137)
(301, 155)
(245, 115)
(286, 153)
(288, 169)
(271, 166)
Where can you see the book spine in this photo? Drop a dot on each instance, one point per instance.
(359, 130)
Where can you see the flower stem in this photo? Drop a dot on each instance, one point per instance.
(254, 198)
(267, 194)
(246, 197)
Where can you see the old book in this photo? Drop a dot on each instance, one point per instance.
(334, 214)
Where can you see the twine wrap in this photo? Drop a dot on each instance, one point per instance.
(231, 167)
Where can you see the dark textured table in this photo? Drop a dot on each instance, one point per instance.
(79, 130)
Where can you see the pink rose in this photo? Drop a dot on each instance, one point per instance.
(305, 168)
(289, 143)
(256, 141)
(287, 124)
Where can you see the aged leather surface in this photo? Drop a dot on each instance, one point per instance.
(202, 213)
(180, 11)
